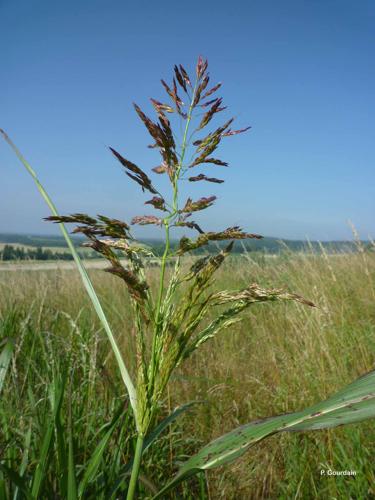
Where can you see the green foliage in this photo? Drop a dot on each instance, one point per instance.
(281, 359)
(65, 430)
(354, 403)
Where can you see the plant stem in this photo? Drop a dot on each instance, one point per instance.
(84, 276)
(175, 208)
(162, 272)
(167, 238)
(135, 468)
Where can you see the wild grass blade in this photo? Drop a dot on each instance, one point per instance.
(354, 403)
(25, 459)
(96, 458)
(85, 278)
(16, 479)
(72, 483)
(57, 388)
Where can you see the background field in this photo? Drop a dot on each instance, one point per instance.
(281, 358)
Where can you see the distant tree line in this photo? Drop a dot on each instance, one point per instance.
(10, 252)
(264, 246)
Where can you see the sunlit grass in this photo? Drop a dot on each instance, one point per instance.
(281, 358)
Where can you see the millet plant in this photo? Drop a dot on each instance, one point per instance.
(169, 329)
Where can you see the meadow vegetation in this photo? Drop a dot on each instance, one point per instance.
(89, 416)
(281, 358)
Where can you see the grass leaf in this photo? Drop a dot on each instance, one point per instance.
(72, 485)
(96, 457)
(16, 479)
(354, 403)
(85, 278)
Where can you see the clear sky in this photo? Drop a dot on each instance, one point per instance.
(301, 73)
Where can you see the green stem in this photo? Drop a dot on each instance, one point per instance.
(135, 468)
(175, 208)
(162, 272)
(84, 276)
(167, 220)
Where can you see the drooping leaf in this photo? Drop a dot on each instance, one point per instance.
(354, 403)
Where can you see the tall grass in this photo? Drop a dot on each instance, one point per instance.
(279, 359)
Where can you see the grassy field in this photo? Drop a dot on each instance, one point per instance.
(281, 358)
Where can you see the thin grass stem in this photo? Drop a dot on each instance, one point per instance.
(135, 468)
(85, 278)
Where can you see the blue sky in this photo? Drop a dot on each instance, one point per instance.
(301, 73)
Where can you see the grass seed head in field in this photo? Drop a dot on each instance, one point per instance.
(168, 329)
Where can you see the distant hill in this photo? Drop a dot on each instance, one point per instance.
(267, 244)
(35, 240)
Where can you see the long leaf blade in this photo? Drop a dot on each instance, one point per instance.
(354, 403)
(85, 278)
(56, 395)
(24, 462)
(16, 479)
(72, 484)
(96, 458)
